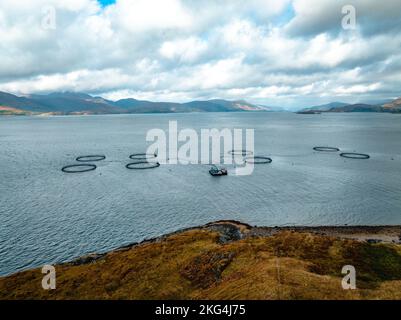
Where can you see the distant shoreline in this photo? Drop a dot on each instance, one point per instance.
(49, 115)
(79, 103)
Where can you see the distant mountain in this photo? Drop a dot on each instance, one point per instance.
(72, 103)
(358, 107)
(325, 107)
(392, 107)
(19, 103)
(140, 106)
(81, 103)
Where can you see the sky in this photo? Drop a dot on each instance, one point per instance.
(288, 53)
(105, 3)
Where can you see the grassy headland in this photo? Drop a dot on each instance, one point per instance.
(230, 260)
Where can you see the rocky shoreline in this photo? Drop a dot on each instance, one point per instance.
(230, 260)
(233, 230)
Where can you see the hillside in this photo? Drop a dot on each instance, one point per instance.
(10, 111)
(395, 105)
(230, 260)
(80, 103)
(392, 107)
(70, 103)
(20, 103)
(358, 107)
(325, 107)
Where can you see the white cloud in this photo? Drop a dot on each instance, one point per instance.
(145, 15)
(176, 49)
(319, 16)
(357, 89)
(184, 50)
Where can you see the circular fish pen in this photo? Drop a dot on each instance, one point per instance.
(326, 149)
(258, 160)
(94, 158)
(79, 168)
(243, 153)
(142, 165)
(142, 156)
(358, 156)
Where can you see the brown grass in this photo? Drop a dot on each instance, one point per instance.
(194, 265)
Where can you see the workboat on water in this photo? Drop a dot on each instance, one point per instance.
(216, 171)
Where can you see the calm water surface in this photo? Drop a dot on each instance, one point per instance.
(48, 216)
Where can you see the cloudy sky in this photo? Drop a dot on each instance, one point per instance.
(279, 53)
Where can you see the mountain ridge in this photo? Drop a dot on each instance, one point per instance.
(391, 107)
(70, 103)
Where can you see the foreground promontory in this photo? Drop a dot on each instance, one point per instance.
(230, 260)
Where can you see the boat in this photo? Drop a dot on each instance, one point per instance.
(216, 171)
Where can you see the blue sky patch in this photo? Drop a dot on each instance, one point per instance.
(105, 3)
